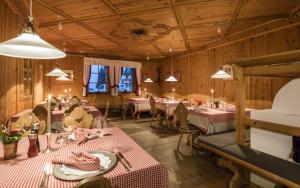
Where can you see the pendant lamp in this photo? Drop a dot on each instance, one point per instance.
(148, 80)
(63, 78)
(171, 78)
(57, 72)
(223, 73)
(29, 45)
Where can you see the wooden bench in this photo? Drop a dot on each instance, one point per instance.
(240, 159)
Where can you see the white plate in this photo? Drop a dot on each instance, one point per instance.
(59, 171)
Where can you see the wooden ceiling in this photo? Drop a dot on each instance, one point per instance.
(87, 26)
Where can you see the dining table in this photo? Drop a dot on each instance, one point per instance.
(27, 172)
(168, 106)
(213, 120)
(140, 104)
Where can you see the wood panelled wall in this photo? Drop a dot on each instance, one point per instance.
(75, 63)
(196, 69)
(12, 99)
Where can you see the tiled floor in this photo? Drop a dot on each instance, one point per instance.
(197, 171)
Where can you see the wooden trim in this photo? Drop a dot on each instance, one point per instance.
(276, 58)
(250, 166)
(237, 9)
(273, 127)
(255, 31)
(180, 24)
(291, 70)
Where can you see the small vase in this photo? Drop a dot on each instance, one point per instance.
(10, 150)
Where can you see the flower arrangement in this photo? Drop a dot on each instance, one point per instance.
(9, 137)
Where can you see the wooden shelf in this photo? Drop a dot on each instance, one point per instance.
(286, 70)
(277, 58)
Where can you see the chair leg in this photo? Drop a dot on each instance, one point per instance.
(180, 138)
(191, 143)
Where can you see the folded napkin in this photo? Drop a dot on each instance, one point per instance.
(81, 160)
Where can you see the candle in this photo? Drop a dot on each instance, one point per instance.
(173, 90)
(49, 114)
(70, 92)
(212, 97)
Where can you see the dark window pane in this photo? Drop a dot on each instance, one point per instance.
(98, 79)
(126, 81)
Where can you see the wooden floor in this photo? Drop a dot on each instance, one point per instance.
(197, 171)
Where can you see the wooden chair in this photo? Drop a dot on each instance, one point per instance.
(25, 121)
(124, 107)
(71, 108)
(181, 113)
(40, 112)
(75, 100)
(79, 118)
(154, 112)
(95, 182)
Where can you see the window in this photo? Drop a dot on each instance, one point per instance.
(98, 79)
(126, 81)
(27, 78)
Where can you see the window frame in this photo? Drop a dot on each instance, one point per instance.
(107, 79)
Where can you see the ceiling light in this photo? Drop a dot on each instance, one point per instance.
(29, 45)
(57, 72)
(148, 80)
(171, 78)
(219, 25)
(63, 78)
(221, 74)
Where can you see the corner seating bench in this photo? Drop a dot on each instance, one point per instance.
(240, 159)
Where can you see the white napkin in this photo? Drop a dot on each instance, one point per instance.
(104, 162)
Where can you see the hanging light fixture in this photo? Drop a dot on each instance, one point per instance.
(63, 78)
(29, 45)
(57, 72)
(148, 80)
(223, 73)
(171, 78)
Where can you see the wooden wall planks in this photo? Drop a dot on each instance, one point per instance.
(260, 91)
(11, 90)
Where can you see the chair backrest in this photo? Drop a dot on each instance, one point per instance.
(95, 181)
(106, 110)
(75, 100)
(40, 112)
(152, 105)
(79, 118)
(181, 114)
(71, 108)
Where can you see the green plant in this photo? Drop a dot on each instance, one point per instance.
(8, 137)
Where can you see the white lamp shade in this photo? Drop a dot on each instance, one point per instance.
(63, 78)
(148, 80)
(57, 72)
(30, 45)
(171, 79)
(221, 74)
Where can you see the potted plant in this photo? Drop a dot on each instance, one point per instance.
(10, 141)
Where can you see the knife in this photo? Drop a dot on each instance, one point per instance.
(125, 160)
(123, 164)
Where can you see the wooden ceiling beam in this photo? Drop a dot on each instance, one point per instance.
(180, 24)
(97, 32)
(237, 8)
(295, 11)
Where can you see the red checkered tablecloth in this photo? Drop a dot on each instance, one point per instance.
(28, 172)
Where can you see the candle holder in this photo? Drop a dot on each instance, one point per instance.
(48, 149)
